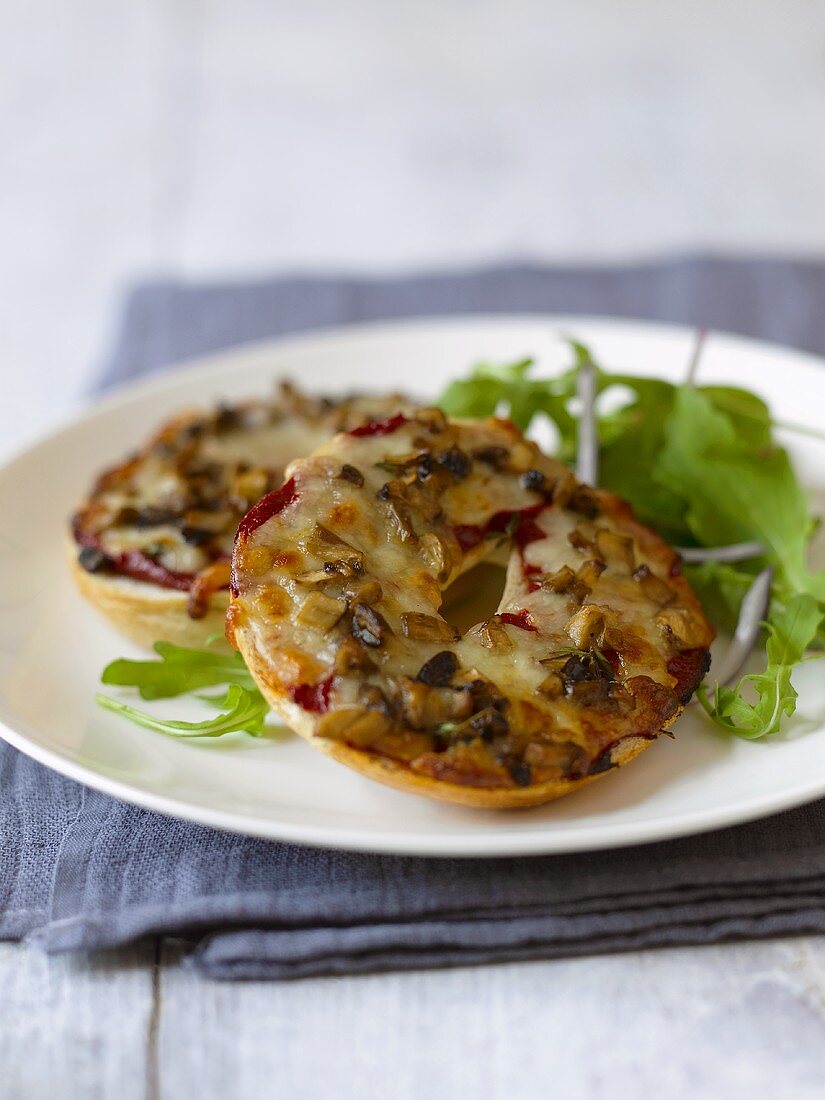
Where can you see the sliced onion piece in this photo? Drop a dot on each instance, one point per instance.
(587, 454)
(752, 614)
(695, 356)
(737, 551)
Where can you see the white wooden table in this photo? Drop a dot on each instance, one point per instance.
(209, 138)
(737, 1021)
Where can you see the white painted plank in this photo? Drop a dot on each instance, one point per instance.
(72, 1028)
(735, 1022)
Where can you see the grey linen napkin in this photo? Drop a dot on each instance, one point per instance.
(79, 869)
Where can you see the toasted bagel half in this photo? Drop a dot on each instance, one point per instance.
(337, 585)
(150, 546)
(146, 613)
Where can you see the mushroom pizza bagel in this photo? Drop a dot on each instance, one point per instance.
(150, 546)
(338, 575)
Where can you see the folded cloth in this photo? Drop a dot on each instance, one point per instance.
(81, 870)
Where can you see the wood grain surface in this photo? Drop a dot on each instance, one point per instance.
(734, 1022)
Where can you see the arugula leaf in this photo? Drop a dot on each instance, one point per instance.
(489, 387)
(733, 493)
(749, 414)
(632, 437)
(245, 711)
(178, 671)
(789, 637)
(722, 587)
(480, 394)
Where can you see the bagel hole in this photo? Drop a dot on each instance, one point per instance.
(474, 596)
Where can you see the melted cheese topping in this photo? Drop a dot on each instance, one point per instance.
(338, 585)
(170, 513)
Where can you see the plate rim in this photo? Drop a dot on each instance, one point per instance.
(191, 367)
(565, 839)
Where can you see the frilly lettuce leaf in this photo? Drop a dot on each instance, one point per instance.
(790, 635)
(244, 710)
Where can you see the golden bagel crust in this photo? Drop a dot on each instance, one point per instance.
(390, 773)
(145, 613)
(151, 543)
(338, 576)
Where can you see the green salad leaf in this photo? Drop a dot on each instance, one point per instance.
(244, 710)
(734, 491)
(488, 388)
(181, 671)
(790, 635)
(178, 671)
(722, 586)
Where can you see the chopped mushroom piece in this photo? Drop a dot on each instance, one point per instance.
(313, 577)
(456, 462)
(401, 522)
(419, 627)
(653, 587)
(351, 474)
(351, 657)
(521, 457)
(564, 488)
(358, 726)
(250, 484)
(439, 670)
(362, 591)
(586, 627)
(676, 622)
(93, 561)
(328, 546)
(493, 456)
(560, 581)
(552, 685)
(369, 626)
(586, 577)
(321, 611)
(584, 501)
(436, 555)
(433, 419)
(533, 479)
(426, 707)
(344, 567)
(212, 579)
(617, 550)
(494, 636)
(583, 536)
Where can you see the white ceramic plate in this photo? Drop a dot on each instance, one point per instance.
(52, 646)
